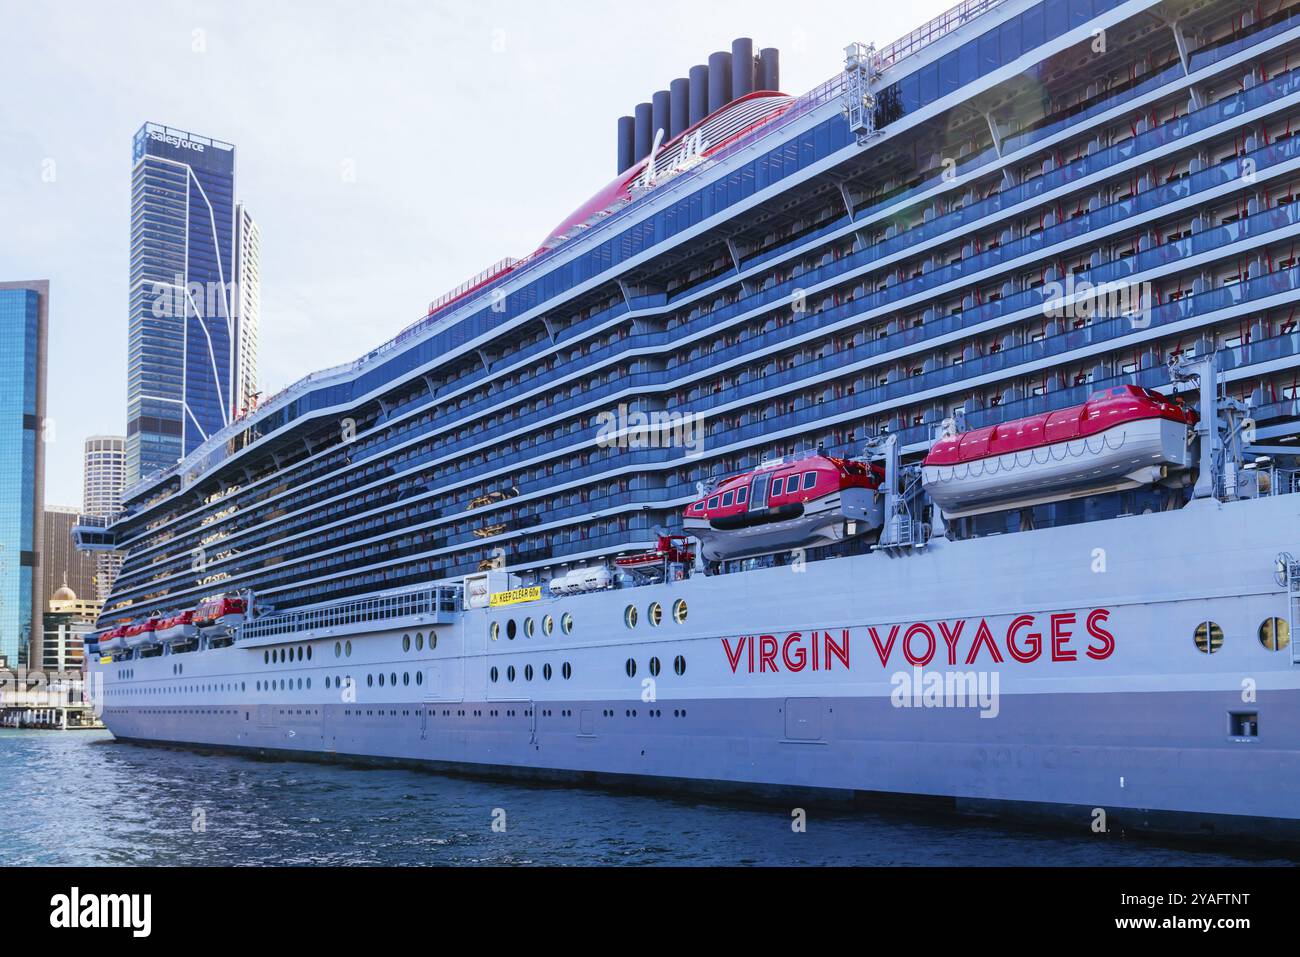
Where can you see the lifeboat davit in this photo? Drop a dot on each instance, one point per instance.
(178, 629)
(670, 550)
(219, 616)
(1121, 438)
(805, 502)
(141, 634)
(112, 641)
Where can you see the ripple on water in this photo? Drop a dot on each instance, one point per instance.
(80, 798)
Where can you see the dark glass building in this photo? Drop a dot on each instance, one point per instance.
(183, 296)
(24, 311)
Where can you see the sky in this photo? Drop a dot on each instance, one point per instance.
(388, 150)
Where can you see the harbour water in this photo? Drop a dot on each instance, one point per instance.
(82, 799)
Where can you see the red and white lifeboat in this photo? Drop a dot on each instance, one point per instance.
(785, 504)
(141, 634)
(1121, 438)
(219, 616)
(113, 640)
(178, 629)
(670, 550)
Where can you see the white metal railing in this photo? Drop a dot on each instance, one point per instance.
(441, 602)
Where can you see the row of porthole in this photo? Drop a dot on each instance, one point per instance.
(679, 666)
(278, 656)
(282, 686)
(654, 614)
(419, 641)
(530, 627)
(1274, 635)
(566, 670)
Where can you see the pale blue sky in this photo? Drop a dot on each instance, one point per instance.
(473, 128)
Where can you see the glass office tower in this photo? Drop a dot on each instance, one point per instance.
(24, 311)
(182, 360)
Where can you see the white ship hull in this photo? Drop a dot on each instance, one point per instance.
(799, 680)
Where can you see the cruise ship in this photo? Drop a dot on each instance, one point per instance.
(926, 437)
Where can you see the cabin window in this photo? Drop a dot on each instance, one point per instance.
(728, 500)
(679, 665)
(655, 614)
(495, 674)
(742, 496)
(697, 507)
(778, 486)
(1275, 634)
(809, 480)
(548, 625)
(713, 502)
(566, 623)
(679, 611)
(654, 667)
(547, 672)
(528, 672)
(530, 628)
(630, 667)
(494, 631)
(630, 616)
(510, 673)
(511, 629)
(1209, 637)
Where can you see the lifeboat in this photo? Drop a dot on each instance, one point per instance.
(141, 634)
(670, 550)
(219, 616)
(112, 641)
(178, 629)
(1121, 438)
(582, 580)
(785, 504)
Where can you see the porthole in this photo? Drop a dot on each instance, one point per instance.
(347, 649)
(393, 679)
(679, 665)
(528, 672)
(370, 681)
(309, 652)
(654, 667)
(630, 667)
(567, 671)
(566, 623)
(1275, 634)
(1209, 637)
(510, 673)
(679, 611)
(530, 628)
(494, 630)
(547, 672)
(381, 679)
(419, 677)
(655, 614)
(495, 675)
(406, 642)
(419, 641)
(406, 677)
(266, 657)
(548, 625)
(433, 640)
(629, 616)
(511, 629)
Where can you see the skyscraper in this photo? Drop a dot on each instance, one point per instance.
(61, 564)
(104, 480)
(248, 306)
(182, 358)
(24, 317)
